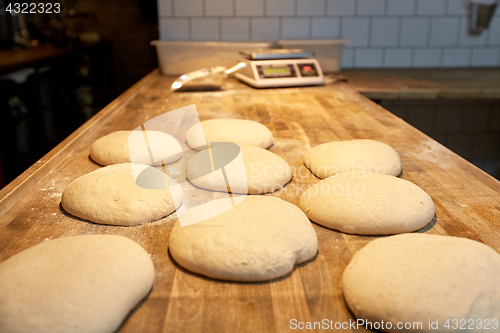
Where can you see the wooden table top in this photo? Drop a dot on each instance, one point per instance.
(466, 198)
(426, 83)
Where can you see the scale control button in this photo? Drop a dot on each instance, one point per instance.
(308, 70)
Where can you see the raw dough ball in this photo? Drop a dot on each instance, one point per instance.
(255, 170)
(130, 146)
(341, 157)
(122, 194)
(373, 204)
(260, 239)
(73, 284)
(229, 130)
(421, 277)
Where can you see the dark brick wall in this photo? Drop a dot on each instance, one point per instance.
(471, 128)
(129, 25)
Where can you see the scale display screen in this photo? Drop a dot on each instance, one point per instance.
(276, 70)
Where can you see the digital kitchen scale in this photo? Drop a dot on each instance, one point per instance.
(280, 68)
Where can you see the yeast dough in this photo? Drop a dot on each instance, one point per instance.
(338, 157)
(260, 239)
(122, 194)
(73, 284)
(254, 170)
(229, 130)
(423, 278)
(144, 147)
(371, 204)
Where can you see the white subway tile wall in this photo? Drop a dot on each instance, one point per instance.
(415, 31)
(348, 58)
(398, 58)
(248, 8)
(456, 7)
(357, 30)
(382, 33)
(371, 7)
(398, 7)
(295, 28)
(265, 28)
(310, 7)
(188, 8)
(205, 28)
(279, 8)
(341, 7)
(174, 29)
(494, 32)
(427, 58)
(385, 31)
(431, 7)
(371, 58)
(484, 57)
(165, 8)
(325, 28)
(219, 7)
(457, 57)
(235, 28)
(445, 31)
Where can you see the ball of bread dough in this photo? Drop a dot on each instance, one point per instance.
(122, 194)
(339, 157)
(229, 130)
(73, 284)
(422, 278)
(261, 238)
(131, 146)
(248, 169)
(371, 204)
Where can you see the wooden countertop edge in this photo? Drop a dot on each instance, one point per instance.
(16, 189)
(426, 83)
(429, 94)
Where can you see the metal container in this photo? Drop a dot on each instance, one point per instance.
(179, 57)
(481, 15)
(328, 52)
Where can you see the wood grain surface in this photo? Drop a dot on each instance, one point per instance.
(466, 198)
(426, 83)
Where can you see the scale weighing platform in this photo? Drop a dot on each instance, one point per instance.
(280, 68)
